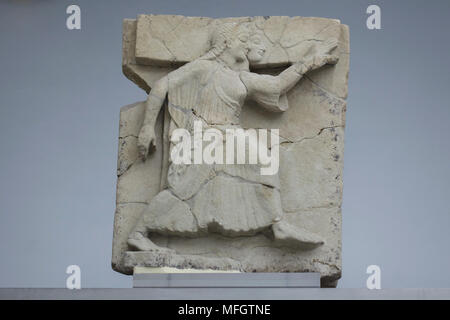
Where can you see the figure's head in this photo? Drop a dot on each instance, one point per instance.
(242, 41)
(231, 38)
(256, 47)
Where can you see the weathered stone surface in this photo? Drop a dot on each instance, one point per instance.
(132, 185)
(170, 270)
(125, 217)
(143, 75)
(150, 259)
(172, 40)
(290, 222)
(170, 216)
(314, 162)
(311, 109)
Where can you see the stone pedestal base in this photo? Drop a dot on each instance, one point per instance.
(152, 278)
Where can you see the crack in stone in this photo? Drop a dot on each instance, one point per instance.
(119, 174)
(288, 141)
(310, 39)
(325, 28)
(283, 31)
(195, 193)
(178, 24)
(300, 42)
(326, 263)
(129, 136)
(217, 174)
(131, 202)
(243, 180)
(326, 206)
(325, 90)
(121, 171)
(162, 41)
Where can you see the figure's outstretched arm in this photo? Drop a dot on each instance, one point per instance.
(155, 100)
(289, 77)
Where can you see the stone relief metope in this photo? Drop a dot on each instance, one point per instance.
(280, 84)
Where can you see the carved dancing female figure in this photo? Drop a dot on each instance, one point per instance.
(232, 200)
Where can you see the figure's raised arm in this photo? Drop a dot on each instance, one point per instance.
(289, 77)
(155, 100)
(270, 91)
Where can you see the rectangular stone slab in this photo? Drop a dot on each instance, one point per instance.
(227, 280)
(311, 145)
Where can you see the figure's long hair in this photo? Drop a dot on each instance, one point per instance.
(224, 34)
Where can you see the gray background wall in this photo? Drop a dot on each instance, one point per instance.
(60, 95)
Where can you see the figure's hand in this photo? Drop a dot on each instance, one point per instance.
(146, 141)
(320, 57)
(327, 47)
(320, 61)
(323, 55)
(316, 62)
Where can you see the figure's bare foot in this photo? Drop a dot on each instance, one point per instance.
(296, 237)
(138, 241)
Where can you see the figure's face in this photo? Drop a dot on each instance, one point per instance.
(256, 48)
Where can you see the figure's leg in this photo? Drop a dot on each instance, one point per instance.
(166, 215)
(138, 238)
(296, 237)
